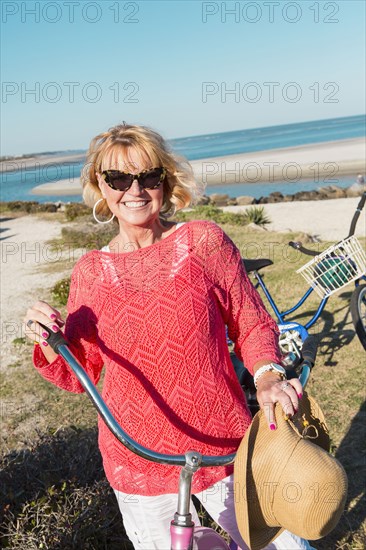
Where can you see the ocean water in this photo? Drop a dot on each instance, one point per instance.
(17, 185)
(272, 137)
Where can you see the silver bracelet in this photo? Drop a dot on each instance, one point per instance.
(271, 367)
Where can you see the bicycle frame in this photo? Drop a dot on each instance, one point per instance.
(281, 315)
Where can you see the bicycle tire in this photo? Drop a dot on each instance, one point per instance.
(358, 312)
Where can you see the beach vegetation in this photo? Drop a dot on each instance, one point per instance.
(253, 214)
(87, 235)
(213, 213)
(28, 207)
(19, 341)
(60, 291)
(76, 210)
(257, 215)
(53, 490)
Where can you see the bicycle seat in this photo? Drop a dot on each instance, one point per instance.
(254, 265)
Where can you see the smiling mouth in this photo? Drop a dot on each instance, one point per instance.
(135, 204)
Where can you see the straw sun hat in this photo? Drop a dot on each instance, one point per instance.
(286, 479)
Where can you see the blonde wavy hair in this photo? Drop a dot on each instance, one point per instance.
(180, 188)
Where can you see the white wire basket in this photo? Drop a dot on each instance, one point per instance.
(336, 267)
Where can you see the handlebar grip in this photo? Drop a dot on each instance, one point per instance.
(309, 350)
(297, 245)
(356, 215)
(361, 204)
(55, 339)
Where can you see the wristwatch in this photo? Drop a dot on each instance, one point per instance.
(271, 367)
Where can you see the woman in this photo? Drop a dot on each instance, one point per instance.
(152, 308)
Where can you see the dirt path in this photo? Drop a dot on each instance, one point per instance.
(28, 270)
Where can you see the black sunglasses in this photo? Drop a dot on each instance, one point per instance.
(122, 181)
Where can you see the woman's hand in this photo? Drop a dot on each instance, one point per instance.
(271, 389)
(41, 312)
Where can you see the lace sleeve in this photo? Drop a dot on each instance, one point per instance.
(80, 332)
(250, 327)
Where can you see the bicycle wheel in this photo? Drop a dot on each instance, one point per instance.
(358, 312)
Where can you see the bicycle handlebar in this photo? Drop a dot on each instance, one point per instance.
(59, 344)
(309, 350)
(356, 215)
(297, 245)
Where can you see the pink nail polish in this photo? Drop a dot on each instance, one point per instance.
(44, 334)
(272, 426)
(44, 344)
(299, 395)
(55, 328)
(53, 316)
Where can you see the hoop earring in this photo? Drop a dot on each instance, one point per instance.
(95, 215)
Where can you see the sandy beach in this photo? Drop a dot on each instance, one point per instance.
(327, 220)
(20, 163)
(331, 159)
(316, 161)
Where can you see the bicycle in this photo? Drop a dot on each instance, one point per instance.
(327, 272)
(184, 534)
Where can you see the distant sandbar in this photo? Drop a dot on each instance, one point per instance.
(315, 161)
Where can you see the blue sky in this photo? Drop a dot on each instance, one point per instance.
(171, 65)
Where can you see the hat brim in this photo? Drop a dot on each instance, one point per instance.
(250, 519)
(251, 523)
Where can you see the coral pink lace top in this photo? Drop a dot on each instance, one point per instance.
(155, 319)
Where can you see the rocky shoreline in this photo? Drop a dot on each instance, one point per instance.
(323, 193)
(215, 199)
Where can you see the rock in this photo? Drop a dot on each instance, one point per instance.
(219, 199)
(243, 200)
(262, 200)
(355, 190)
(203, 200)
(302, 196)
(232, 202)
(314, 196)
(276, 196)
(288, 198)
(332, 192)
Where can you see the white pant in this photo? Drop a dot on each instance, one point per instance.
(147, 519)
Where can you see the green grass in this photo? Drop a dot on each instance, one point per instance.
(53, 489)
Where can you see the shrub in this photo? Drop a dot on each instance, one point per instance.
(213, 213)
(61, 290)
(257, 215)
(88, 235)
(30, 207)
(76, 210)
(19, 341)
